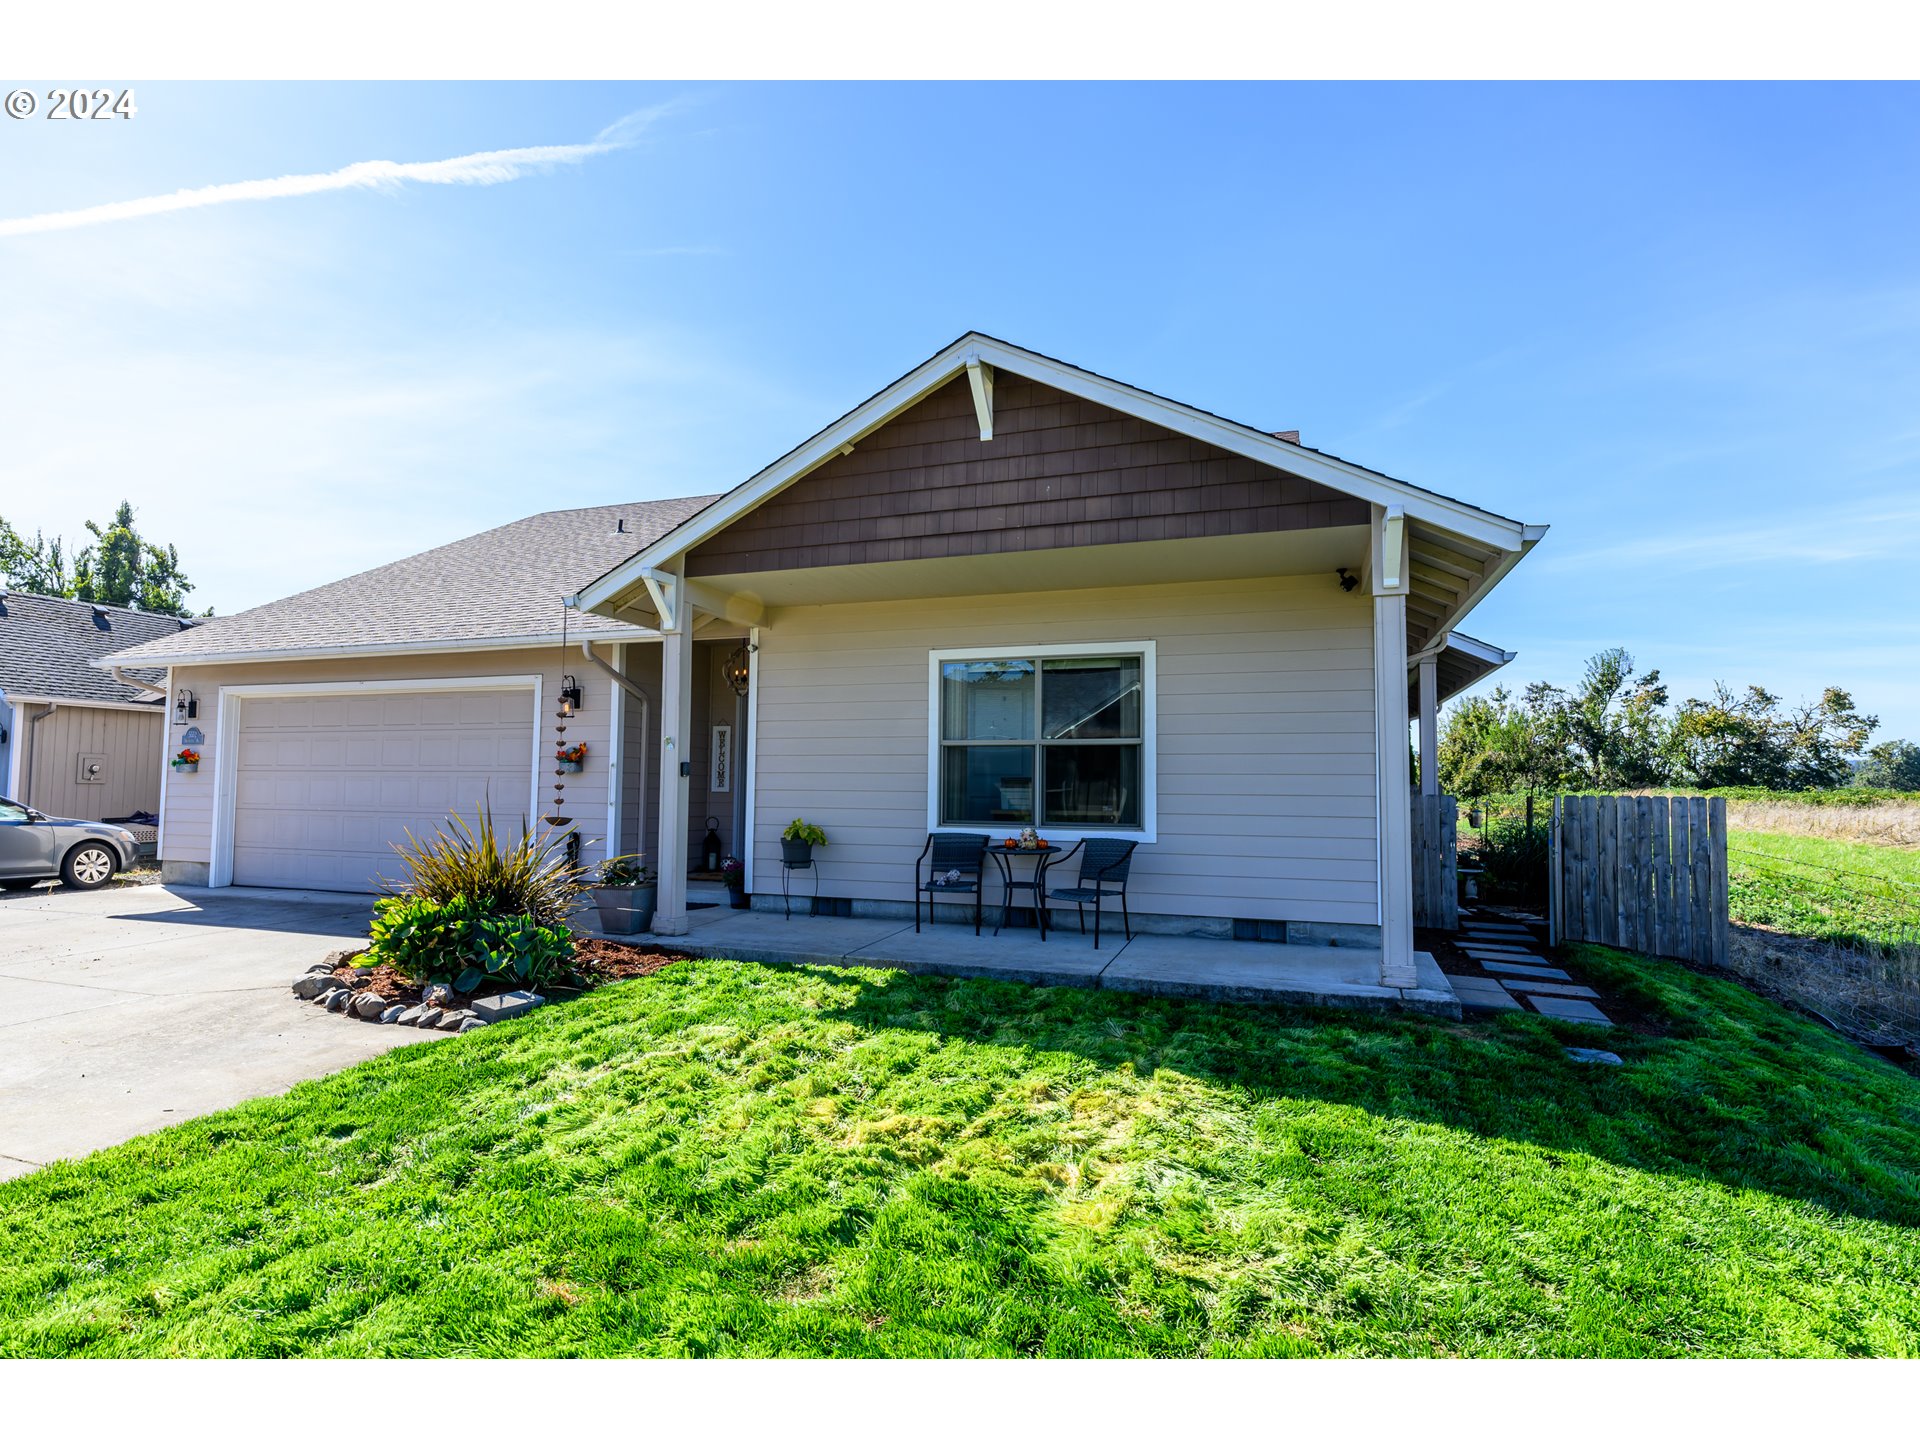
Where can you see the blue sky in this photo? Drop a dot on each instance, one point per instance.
(1679, 324)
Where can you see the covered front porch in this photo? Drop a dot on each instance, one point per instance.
(1181, 966)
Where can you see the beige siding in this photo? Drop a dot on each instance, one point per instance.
(1265, 750)
(639, 756)
(188, 832)
(127, 741)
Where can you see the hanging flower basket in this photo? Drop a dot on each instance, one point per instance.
(187, 762)
(570, 759)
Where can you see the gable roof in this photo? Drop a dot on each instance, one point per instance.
(487, 591)
(48, 646)
(975, 349)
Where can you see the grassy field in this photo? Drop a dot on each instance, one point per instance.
(1846, 893)
(731, 1160)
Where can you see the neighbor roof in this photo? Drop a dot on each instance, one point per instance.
(48, 646)
(492, 588)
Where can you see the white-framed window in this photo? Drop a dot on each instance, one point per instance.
(1059, 737)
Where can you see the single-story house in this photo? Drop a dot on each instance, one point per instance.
(1004, 591)
(74, 740)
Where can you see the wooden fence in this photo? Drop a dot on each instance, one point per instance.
(1641, 872)
(1436, 896)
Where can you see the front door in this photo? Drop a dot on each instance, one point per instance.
(26, 844)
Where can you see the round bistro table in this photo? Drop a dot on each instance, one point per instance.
(1042, 856)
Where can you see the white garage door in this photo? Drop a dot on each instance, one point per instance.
(326, 784)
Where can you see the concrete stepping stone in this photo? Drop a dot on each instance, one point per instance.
(1538, 972)
(1584, 1011)
(1531, 986)
(1592, 1057)
(1512, 957)
(1487, 947)
(1476, 992)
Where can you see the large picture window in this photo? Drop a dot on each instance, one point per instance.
(1052, 740)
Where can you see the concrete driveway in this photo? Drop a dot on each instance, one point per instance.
(127, 1010)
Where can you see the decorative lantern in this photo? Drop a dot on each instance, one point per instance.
(711, 850)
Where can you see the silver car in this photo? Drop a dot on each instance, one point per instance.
(85, 854)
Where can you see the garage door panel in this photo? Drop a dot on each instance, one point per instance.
(326, 785)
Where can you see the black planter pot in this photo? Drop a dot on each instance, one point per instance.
(738, 895)
(797, 854)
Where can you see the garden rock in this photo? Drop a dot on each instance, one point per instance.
(440, 996)
(411, 1015)
(391, 1015)
(338, 1000)
(430, 1017)
(308, 987)
(505, 1007)
(323, 968)
(368, 1006)
(339, 957)
(360, 982)
(472, 1022)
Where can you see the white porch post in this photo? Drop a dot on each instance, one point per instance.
(676, 724)
(1395, 787)
(1429, 727)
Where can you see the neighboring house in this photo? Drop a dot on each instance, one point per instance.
(74, 741)
(1002, 591)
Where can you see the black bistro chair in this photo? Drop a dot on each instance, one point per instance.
(1104, 865)
(960, 855)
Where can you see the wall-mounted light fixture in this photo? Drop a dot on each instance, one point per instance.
(1348, 582)
(738, 668)
(569, 694)
(185, 707)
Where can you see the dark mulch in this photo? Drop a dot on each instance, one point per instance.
(596, 963)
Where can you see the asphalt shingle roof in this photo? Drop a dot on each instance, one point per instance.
(47, 646)
(501, 584)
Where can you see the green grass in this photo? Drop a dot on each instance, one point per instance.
(731, 1160)
(1837, 890)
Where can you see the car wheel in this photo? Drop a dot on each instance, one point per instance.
(88, 867)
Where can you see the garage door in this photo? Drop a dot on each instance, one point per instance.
(326, 784)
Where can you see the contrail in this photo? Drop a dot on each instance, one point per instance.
(489, 167)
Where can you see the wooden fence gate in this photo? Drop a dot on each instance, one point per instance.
(1641, 872)
(1436, 895)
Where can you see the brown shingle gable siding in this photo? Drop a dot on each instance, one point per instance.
(1059, 471)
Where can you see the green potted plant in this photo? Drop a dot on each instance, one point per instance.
(797, 842)
(625, 893)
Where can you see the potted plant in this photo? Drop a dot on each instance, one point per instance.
(187, 762)
(797, 842)
(735, 874)
(625, 895)
(567, 760)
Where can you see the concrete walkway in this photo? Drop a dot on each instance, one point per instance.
(1177, 965)
(125, 1010)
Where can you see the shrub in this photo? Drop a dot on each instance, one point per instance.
(1514, 858)
(530, 876)
(460, 943)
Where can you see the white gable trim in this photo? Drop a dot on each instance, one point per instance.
(975, 349)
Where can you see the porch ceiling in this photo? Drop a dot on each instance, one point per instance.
(1449, 575)
(1159, 562)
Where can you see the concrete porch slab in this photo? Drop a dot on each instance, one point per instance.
(1189, 967)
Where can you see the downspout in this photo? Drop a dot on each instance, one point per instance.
(133, 684)
(30, 755)
(586, 649)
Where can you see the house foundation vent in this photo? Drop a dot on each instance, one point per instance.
(1273, 932)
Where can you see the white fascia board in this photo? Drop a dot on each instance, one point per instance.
(369, 652)
(141, 707)
(1465, 520)
(1480, 650)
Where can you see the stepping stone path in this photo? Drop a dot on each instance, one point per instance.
(1507, 950)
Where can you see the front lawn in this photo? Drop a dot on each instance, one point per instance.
(727, 1159)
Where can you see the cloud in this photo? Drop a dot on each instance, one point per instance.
(1867, 529)
(487, 167)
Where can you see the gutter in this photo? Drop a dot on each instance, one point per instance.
(26, 770)
(175, 659)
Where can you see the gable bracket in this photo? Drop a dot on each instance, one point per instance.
(663, 586)
(980, 378)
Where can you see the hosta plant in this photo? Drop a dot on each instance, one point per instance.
(458, 943)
